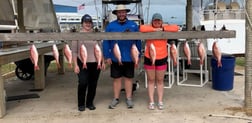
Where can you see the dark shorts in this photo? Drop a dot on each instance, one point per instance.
(125, 70)
(158, 62)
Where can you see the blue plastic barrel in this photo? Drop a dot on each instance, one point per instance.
(223, 77)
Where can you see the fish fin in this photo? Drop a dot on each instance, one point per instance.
(32, 60)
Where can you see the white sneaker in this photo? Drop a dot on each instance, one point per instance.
(151, 106)
(160, 105)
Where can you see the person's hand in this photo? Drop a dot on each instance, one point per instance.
(127, 30)
(158, 29)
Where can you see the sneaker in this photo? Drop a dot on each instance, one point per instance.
(160, 105)
(151, 106)
(129, 103)
(81, 108)
(91, 107)
(113, 103)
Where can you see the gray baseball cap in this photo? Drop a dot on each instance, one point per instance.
(157, 16)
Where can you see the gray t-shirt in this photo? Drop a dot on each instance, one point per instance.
(90, 49)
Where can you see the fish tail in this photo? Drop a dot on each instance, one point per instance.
(175, 63)
(120, 63)
(84, 66)
(58, 65)
(189, 62)
(201, 62)
(219, 64)
(36, 67)
(70, 65)
(98, 66)
(136, 65)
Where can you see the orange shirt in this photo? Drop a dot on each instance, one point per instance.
(159, 44)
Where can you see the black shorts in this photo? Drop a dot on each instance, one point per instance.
(125, 70)
(158, 62)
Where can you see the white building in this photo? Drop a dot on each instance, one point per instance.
(69, 19)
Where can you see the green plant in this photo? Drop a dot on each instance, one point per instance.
(240, 61)
(53, 67)
(8, 68)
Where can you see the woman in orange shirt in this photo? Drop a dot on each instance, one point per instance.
(155, 59)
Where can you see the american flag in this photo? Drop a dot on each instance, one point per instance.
(82, 6)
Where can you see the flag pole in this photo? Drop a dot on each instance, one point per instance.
(97, 18)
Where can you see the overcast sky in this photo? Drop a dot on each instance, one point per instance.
(173, 11)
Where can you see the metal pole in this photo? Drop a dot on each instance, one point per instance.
(97, 18)
(248, 60)
(15, 13)
(148, 10)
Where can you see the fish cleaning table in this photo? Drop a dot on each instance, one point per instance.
(22, 52)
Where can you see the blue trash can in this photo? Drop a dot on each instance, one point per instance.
(223, 77)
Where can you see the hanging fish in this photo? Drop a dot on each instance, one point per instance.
(135, 54)
(34, 56)
(217, 53)
(83, 55)
(153, 53)
(187, 53)
(68, 55)
(98, 55)
(117, 53)
(201, 52)
(56, 54)
(173, 52)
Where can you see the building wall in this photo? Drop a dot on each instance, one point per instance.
(63, 8)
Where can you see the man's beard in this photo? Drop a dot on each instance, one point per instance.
(121, 20)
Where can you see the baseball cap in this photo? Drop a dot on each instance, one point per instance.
(86, 18)
(157, 16)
